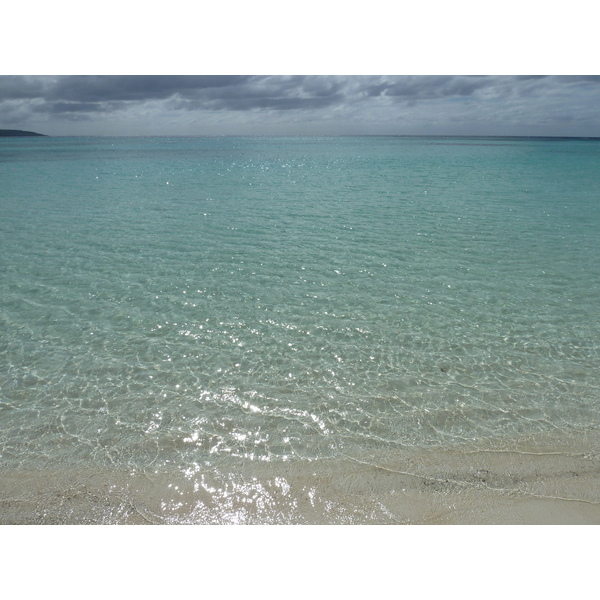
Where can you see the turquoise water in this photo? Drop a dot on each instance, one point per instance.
(167, 302)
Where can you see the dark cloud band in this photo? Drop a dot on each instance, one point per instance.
(358, 97)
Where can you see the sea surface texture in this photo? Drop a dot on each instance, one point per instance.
(197, 307)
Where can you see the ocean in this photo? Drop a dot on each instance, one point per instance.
(257, 329)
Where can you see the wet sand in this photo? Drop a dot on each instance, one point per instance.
(545, 480)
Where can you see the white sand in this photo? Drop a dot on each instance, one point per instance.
(548, 480)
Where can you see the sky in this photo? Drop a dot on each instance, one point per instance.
(134, 105)
(319, 68)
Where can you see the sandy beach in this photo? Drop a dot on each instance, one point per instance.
(545, 480)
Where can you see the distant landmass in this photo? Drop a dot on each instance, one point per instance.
(18, 133)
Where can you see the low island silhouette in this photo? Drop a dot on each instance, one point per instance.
(18, 133)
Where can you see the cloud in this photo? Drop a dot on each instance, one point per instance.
(101, 88)
(427, 87)
(266, 93)
(15, 87)
(531, 104)
(213, 92)
(74, 107)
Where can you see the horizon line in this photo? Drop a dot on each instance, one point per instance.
(343, 135)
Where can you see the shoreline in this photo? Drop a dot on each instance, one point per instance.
(542, 480)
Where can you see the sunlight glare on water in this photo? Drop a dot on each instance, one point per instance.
(168, 302)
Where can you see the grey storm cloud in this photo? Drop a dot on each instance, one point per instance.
(74, 107)
(276, 93)
(428, 87)
(211, 92)
(139, 87)
(245, 92)
(15, 87)
(368, 103)
(228, 92)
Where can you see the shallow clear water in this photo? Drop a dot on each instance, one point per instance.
(167, 302)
